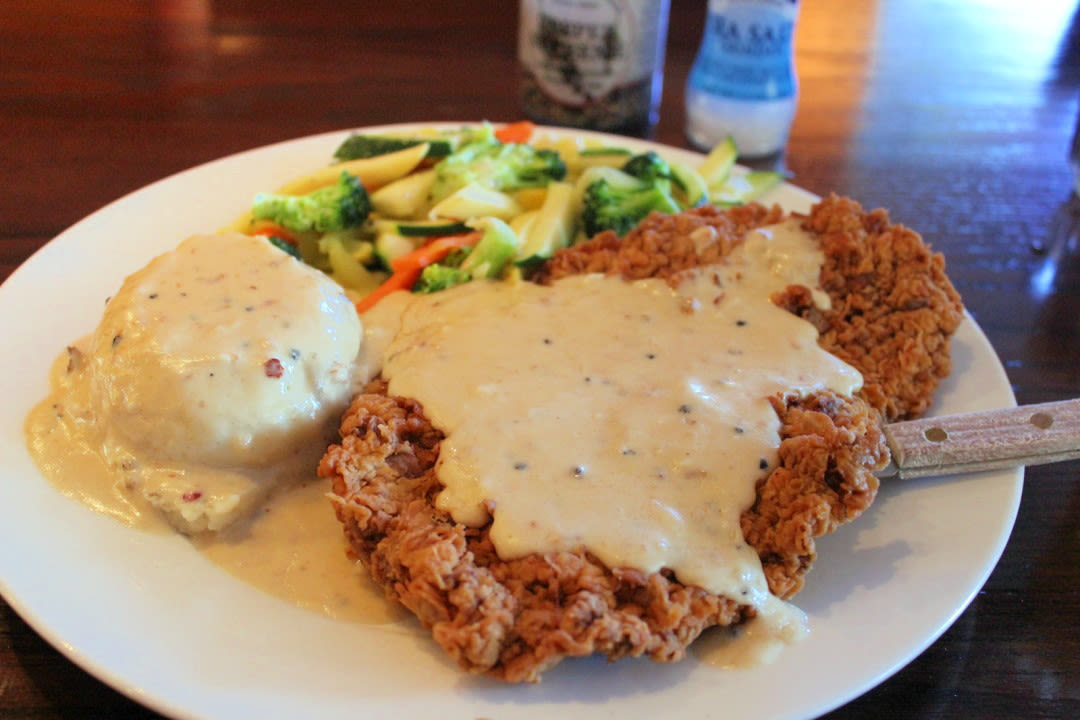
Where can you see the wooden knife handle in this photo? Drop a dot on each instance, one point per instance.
(1026, 435)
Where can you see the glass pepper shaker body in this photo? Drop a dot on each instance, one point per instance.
(596, 64)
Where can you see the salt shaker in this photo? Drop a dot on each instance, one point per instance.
(743, 81)
(593, 64)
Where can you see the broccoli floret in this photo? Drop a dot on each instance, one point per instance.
(546, 166)
(650, 168)
(497, 247)
(618, 200)
(482, 133)
(607, 207)
(342, 205)
(487, 259)
(496, 166)
(440, 277)
(444, 274)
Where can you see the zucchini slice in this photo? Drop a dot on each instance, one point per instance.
(605, 152)
(690, 188)
(718, 163)
(390, 245)
(358, 146)
(743, 187)
(430, 228)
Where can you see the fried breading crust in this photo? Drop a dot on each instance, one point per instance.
(510, 619)
(893, 308)
(661, 245)
(515, 619)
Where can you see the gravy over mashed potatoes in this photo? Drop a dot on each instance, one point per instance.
(212, 379)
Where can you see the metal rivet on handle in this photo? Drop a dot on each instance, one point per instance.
(936, 434)
(1042, 420)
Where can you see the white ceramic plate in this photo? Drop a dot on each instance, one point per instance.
(150, 616)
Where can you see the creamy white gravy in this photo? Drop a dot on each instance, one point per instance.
(215, 370)
(291, 546)
(215, 379)
(627, 418)
(554, 402)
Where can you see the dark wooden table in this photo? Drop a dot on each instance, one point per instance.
(956, 116)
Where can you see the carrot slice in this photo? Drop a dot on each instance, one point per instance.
(433, 251)
(397, 281)
(272, 229)
(518, 132)
(408, 267)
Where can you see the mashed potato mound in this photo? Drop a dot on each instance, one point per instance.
(215, 362)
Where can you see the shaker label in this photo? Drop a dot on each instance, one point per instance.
(745, 52)
(579, 51)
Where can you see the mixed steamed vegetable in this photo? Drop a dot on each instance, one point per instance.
(440, 207)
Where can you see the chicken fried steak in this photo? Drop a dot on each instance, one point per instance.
(890, 315)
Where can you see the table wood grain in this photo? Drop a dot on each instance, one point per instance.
(956, 116)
